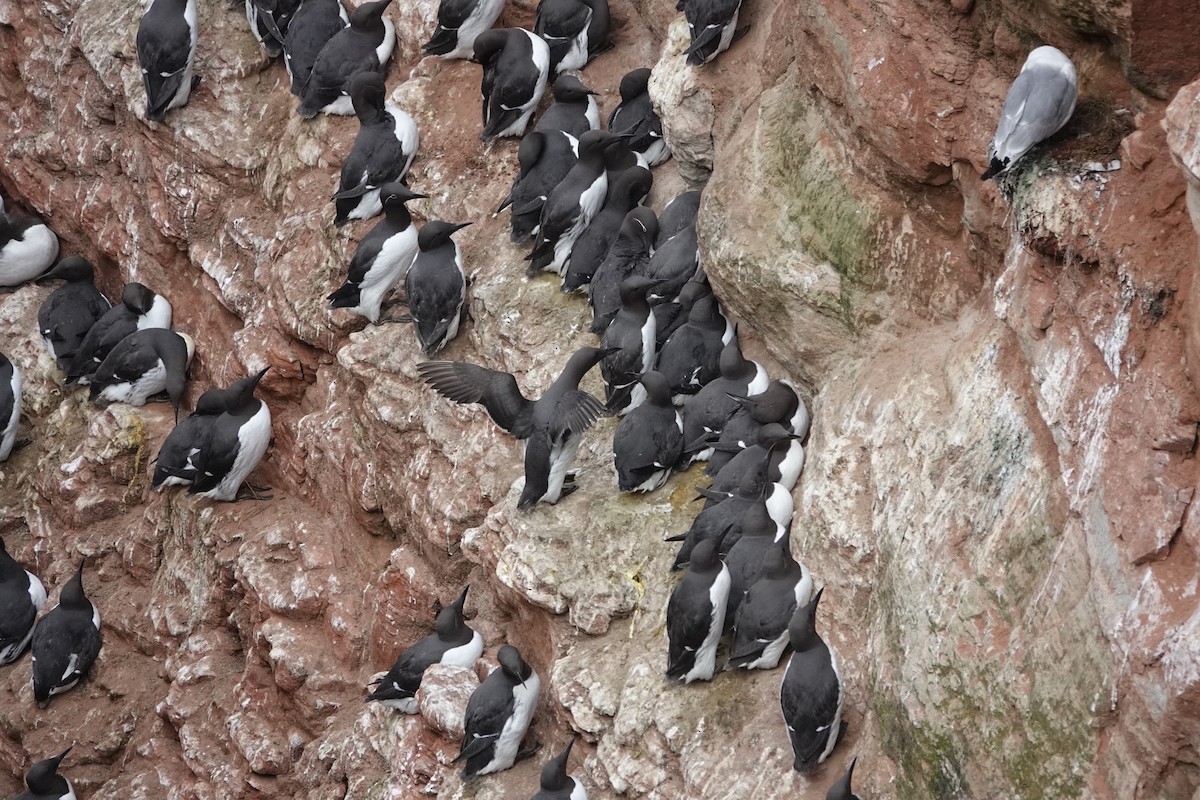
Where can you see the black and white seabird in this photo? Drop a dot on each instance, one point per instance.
(22, 596)
(166, 49)
(1039, 103)
(576, 30)
(436, 286)
(751, 509)
(629, 255)
(573, 111)
(573, 204)
(630, 337)
(269, 21)
(636, 116)
(454, 644)
(45, 783)
(545, 159)
(672, 314)
(556, 784)
(142, 364)
(778, 403)
(649, 439)
(706, 412)
(498, 714)
(626, 189)
(10, 405)
(139, 310)
(552, 425)
(516, 66)
(760, 628)
(175, 464)
(811, 695)
(746, 561)
(690, 359)
(775, 456)
(713, 27)
(841, 789)
(383, 256)
(696, 616)
(27, 248)
(459, 24)
(313, 25)
(65, 642)
(364, 46)
(70, 311)
(237, 442)
(383, 151)
(674, 263)
(679, 214)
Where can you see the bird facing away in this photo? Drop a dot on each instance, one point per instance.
(70, 311)
(696, 615)
(552, 426)
(1039, 103)
(498, 714)
(811, 694)
(363, 46)
(436, 286)
(65, 642)
(453, 644)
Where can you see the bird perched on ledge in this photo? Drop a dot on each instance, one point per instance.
(1039, 103)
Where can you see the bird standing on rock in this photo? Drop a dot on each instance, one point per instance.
(22, 596)
(696, 615)
(811, 695)
(436, 286)
(576, 30)
(631, 338)
(383, 151)
(313, 25)
(70, 311)
(142, 364)
(552, 426)
(454, 644)
(649, 439)
(140, 309)
(459, 24)
(498, 714)
(166, 49)
(45, 783)
(574, 109)
(545, 158)
(713, 27)
(636, 115)
(516, 66)
(66, 642)
(629, 255)
(760, 626)
(364, 46)
(1039, 103)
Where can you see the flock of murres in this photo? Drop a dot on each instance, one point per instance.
(665, 345)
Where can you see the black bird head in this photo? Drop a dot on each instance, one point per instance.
(137, 298)
(43, 779)
(776, 404)
(640, 225)
(554, 773)
(705, 556)
(212, 402)
(367, 92)
(369, 15)
(75, 268)
(773, 435)
(569, 89)
(584, 359)
(631, 186)
(395, 194)
(775, 561)
(841, 790)
(634, 83)
(733, 364)
(658, 388)
(240, 394)
(513, 665)
(72, 595)
(803, 627)
(488, 44)
(450, 623)
(435, 234)
(636, 287)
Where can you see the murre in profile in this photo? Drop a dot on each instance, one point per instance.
(22, 596)
(70, 311)
(45, 783)
(778, 403)
(629, 255)
(383, 151)
(453, 644)
(636, 116)
(1039, 103)
(364, 46)
(811, 695)
(749, 509)
(383, 256)
(10, 405)
(142, 364)
(630, 337)
(65, 642)
(139, 310)
(690, 358)
(436, 286)
(459, 23)
(626, 189)
(516, 65)
(166, 49)
(713, 27)
(175, 464)
(760, 627)
(572, 204)
(313, 25)
(27, 248)
(696, 615)
(545, 159)
(556, 784)
(776, 456)
(573, 111)
(552, 426)
(649, 439)
(498, 714)
(706, 412)
(841, 789)
(237, 442)
(576, 30)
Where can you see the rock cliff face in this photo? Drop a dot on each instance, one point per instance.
(998, 486)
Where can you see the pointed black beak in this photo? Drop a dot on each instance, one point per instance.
(58, 758)
(462, 598)
(259, 376)
(460, 226)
